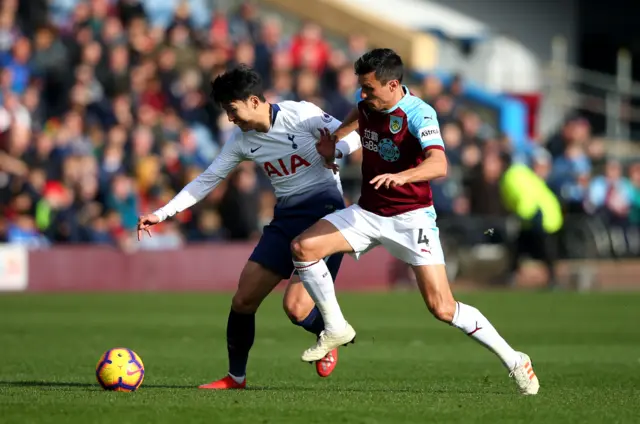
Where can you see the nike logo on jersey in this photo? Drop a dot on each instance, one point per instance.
(256, 149)
(428, 118)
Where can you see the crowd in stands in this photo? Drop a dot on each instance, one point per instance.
(104, 115)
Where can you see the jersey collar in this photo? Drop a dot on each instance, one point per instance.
(404, 99)
(275, 108)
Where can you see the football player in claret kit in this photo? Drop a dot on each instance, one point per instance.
(281, 139)
(402, 151)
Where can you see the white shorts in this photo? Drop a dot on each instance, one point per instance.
(412, 237)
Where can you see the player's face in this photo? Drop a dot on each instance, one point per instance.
(242, 113)
(376, 95)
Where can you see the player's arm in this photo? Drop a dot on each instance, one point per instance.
(324, 127)
(230, 156)
(434, 166)
(348, 125)
(423, 125)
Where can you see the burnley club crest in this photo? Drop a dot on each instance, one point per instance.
(395, 124)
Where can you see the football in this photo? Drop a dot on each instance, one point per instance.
(120, 370)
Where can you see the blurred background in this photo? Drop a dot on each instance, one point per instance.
(104, 115)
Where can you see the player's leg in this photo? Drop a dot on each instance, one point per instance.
(256, 282)
(414, 238)
(269, 263)
(335, 233)
(300, 308)
(434, 287)
(302, 311)
(299, 305)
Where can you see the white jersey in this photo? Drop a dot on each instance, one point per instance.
(286, 153)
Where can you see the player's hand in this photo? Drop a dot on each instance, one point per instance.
(145, 223)
(326, 147)
(388, 180)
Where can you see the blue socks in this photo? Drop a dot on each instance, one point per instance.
(313, 323)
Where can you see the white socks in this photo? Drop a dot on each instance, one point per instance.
(238, 380)
(317, 280)
(474, 324)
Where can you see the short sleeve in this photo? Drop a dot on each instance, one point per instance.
(312, 119)
(423, 125)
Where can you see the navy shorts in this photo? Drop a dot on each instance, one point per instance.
(273, 250)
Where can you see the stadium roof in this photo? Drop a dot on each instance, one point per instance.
(427, 16)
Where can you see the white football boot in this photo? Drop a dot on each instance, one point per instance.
(329, 341)
(524, 376)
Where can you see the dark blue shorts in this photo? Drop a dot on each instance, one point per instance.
(273, 250)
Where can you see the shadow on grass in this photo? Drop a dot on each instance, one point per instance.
(63, 384)
(287, 388)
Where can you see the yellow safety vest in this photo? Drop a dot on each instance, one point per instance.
(524, 193)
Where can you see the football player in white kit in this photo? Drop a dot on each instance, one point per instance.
(281, 139)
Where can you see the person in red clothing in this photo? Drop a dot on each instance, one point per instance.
(309, 50)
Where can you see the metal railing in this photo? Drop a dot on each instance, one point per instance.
(566, 88)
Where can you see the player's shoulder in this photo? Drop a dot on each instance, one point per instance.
(418, 110)
(237, 136)
(238, 140)
(301, 108)
(302, 111)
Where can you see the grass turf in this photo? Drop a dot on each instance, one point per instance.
(404, 368)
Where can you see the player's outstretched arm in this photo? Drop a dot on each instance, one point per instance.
(196, 190)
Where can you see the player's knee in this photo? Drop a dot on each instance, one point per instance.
(296, 309)
(442, 309)
(243, 304)
(303, 249)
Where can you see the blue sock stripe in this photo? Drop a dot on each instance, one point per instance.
(309, 319)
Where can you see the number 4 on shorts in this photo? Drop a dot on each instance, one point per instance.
(422, 238)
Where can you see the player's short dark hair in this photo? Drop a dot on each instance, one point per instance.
(239, 83)
(386, 64)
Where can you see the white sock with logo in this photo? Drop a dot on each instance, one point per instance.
(318, 281)
(474, 324)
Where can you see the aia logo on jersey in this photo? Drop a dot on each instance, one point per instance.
(280, 168)
(395, 124)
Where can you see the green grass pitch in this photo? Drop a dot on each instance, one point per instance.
(404, 368)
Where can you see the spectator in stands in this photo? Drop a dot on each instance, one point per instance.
(575, 131)
(103, 113)
(634, 177)
(611, 195)
(309, 50)
(569, 176)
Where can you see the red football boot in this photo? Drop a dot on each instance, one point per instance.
(226, 383)
(326, 365)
